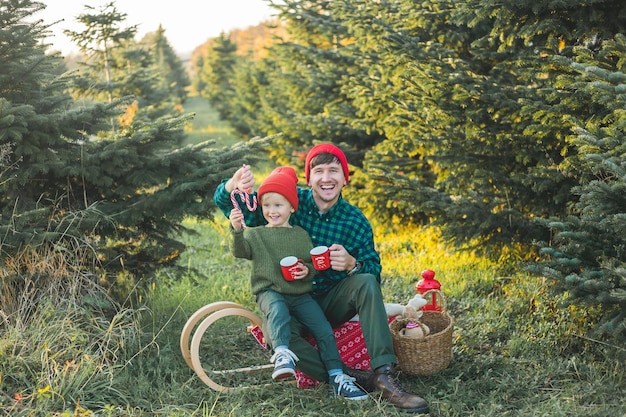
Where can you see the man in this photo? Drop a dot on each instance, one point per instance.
(352, 284)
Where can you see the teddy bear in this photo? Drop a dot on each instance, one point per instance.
(413, 309)
(409, 310)
(412, 313)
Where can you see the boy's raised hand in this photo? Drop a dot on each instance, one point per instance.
(236, 219)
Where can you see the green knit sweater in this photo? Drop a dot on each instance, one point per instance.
(265, 247)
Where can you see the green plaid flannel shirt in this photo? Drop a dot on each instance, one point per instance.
(344, 224)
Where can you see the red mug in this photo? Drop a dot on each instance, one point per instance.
(320, 255)
(290, 265)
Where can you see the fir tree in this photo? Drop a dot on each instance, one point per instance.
(587, 256)
(216, 74)
(123, 193)
(101, 36)
(116, 66)
(167, 66)
(298, 86)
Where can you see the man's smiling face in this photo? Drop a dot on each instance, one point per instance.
(326, 182)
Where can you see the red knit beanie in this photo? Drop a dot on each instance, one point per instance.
(326, 148)
(282, 180)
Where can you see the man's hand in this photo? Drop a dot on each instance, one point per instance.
(340, 259)
(242, 179)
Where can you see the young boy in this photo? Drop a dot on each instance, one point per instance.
(278, 298)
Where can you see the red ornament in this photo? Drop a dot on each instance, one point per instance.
(427, 283)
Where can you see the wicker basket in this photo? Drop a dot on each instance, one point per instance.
(427, 355)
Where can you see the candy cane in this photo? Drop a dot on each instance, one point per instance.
(246, 198)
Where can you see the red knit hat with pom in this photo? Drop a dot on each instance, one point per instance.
(326, 148)
(282, 180)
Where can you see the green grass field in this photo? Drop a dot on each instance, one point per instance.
(206, 125)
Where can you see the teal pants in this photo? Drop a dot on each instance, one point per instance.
(358, 294)
(279, 309)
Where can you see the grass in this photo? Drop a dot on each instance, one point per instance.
(206, 125)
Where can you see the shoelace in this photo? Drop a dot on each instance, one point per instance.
(345, 383)
(393, 380)
(283, 356)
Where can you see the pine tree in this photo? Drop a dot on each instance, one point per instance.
(298, 86)
(116, 66)
(587, 256)
(101, 37)
(216, 74)
(167, 66)
(469, 143)
(452, 106)
(247, 80)
(66, 176)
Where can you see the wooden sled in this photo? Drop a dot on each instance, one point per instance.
(349, 339)
(203, 319)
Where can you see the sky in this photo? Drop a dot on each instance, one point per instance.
(187, 23)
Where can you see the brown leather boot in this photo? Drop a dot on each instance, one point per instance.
(364, 378)
(392, 391)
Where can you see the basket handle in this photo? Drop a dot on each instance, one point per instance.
(440, 295)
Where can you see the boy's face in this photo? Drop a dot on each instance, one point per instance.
(276, 210)
(326, 182)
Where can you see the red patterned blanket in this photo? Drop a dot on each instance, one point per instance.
(351, 347)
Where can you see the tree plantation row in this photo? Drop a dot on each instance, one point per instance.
(501, 125)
